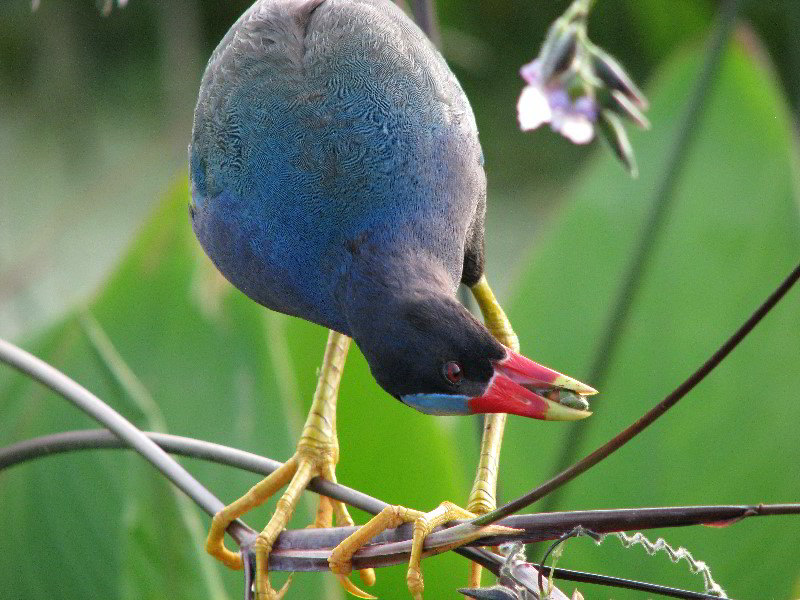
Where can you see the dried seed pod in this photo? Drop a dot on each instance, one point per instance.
(614, 76)
(614, 133)
(622, 105)
(567, 398)
(571, 400)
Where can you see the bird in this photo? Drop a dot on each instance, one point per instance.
(336, 175)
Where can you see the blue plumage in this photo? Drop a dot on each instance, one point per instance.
(337, 176)
(334, 155)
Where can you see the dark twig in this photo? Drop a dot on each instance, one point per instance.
(130, 437)
(293, 549)
(89, 439)
(121, 427)
(651, 416)
(62, 384)
(311, 544)
(618, 582)
(661, 203)
(575, 531)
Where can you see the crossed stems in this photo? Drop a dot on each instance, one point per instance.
(308, 550)
(134, 438)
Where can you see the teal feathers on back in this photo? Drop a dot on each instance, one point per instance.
(322, 126)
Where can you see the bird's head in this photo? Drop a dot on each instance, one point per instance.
(433, 355)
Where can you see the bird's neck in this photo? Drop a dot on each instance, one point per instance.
(380, 287)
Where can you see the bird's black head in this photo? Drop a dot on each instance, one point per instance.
(439, 350)
(428, 351)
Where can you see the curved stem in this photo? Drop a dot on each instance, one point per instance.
(535, 527)
(424, 12)
(650, 416)
(628, 584)
(308, 549)
(125, 430)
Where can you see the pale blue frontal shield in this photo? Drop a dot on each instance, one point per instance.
(438, 404)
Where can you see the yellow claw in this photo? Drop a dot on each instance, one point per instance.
(351, 587)
(284, 588)
(316, 455)
(367, 576)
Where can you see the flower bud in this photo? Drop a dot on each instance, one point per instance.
(559, 52)
(614, 133)
(610, 72)
(621, 104)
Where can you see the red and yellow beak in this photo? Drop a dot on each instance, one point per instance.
(522, 387)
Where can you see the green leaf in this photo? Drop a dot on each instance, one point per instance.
(102, 525)
(731, 235)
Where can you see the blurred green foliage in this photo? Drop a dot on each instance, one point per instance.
(95, 115)
(94, 120)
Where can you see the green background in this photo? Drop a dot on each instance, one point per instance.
(93, 130)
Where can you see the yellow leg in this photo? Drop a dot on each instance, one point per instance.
(317, 454)
(393, 516)
(483, 497)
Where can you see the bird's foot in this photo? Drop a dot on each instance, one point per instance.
(297, 472)
(308, 462)
(317, 455)
(326, 509)
(340, 560)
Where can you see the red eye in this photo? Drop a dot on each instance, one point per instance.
(453, 372)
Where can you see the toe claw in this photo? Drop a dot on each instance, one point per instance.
(367, 576)
(284, 588)
(351, 587)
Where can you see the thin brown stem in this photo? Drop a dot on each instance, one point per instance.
(298, 547)
(536, 527)
(648, 418)
(662, 200)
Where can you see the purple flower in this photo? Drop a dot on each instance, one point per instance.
(578, 88)
(550, 102)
